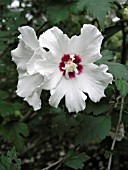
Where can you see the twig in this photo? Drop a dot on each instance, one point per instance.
(111, 108)
(115, 137)
(55, 163)
(58, 166)
(39, 31)
(124, 46)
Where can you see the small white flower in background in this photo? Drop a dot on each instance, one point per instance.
(120, 133)
(70, 69)
(121, 1)
(28, 50)
(125, 14)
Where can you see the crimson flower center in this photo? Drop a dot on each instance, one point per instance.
(70, 65)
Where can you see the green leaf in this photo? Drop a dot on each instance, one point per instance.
(12, 153)
(71, 122)
(57, 12)
(97, 108)
(106, 55)
(10, 162)
(2, 167)
(5, 161)
(13, 132)
(3, 94)
(93, 129)
(75, 160)
(62, 122)
(18, 161)
(18, 106)
(98, 8)
(6, 109)
(13, 167)
(4, 34)
(119, 71)
(122, 87)
(12, 14)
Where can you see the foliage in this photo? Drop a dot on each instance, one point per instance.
(97, 128)
(64, 10)
(10, 161)
(122, 86)
(97, 8)
(13, 132)
(75, 160)
(35, 134)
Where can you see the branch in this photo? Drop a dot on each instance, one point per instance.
(40, 30)
(55, 163)
(115, 137)
(124, 52)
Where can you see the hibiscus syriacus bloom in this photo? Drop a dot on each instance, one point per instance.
(70, 69)
(28, 50)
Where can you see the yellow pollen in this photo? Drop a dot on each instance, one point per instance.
(72, 67)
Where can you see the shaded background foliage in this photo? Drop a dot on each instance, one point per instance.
(43, 137)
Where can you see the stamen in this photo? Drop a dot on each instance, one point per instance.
(72, 56)
(70, 65)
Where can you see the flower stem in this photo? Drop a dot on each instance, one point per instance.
(117, 129)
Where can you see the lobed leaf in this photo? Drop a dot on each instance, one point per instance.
(98, 9)
(119, 71)
(62, 122)
(6, 108)
(57, 12)
(14, 132)
(76, 160)
(122, 87)
(10, 162)
(93, 129)
(97, 108)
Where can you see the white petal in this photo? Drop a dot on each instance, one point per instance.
(22, 73)
(94, 81)
(50, 69)
(87, 44)
(45, 67)
(55, 41)
(31, 65)
(28, 84)
(34, 99)
(21, 55)
(30, 88)
(74, 98)
(28, 35)
(52, 80)
(58, 93)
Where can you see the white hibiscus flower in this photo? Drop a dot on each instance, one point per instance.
(70, 68)
(28, 50)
